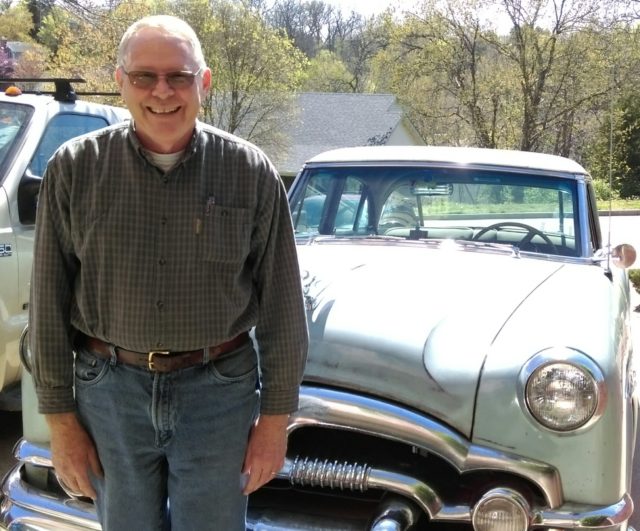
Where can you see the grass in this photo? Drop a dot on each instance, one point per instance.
(619, 204)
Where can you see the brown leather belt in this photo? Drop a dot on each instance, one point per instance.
(161, 360)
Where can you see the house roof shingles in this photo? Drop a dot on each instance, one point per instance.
(330, 120)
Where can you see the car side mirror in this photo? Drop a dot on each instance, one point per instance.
(623, 255)
(28, 193)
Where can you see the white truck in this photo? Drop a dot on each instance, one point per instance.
(33, 123)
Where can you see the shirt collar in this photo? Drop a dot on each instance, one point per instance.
(189, 151)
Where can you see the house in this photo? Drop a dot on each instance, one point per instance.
(331, 120)
(13, 49)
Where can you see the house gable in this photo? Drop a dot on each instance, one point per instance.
(324, 121)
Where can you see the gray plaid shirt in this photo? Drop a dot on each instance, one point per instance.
(181, 260)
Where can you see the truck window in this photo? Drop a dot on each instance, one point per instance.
(13, 119)
(60, 129)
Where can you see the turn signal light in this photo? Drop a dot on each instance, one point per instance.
(13, 91)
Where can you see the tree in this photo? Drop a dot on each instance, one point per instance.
(33, 62)
(327, 73)
(6, 63)
(548, 60)
(616, 151)
(86, 47)
(447, 77)
(16, 23)
(358, 51)
(255, 73)
(303, 22)
(536, 88)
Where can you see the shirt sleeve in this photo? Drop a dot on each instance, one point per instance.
(54, 270)
(281, 331)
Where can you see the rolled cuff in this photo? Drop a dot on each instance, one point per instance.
(57, 400)
(279, 402)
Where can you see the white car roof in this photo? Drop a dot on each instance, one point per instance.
(450, 155)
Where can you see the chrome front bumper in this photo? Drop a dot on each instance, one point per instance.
(24, 507)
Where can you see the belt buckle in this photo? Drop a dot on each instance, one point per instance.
(153, 353)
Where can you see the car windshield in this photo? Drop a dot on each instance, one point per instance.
(13, 120)
(536, 213)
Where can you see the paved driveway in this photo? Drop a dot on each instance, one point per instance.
(10, 432)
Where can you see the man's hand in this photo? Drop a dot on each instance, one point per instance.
(266, 451)
(73, 453)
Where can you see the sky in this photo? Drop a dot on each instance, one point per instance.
(375, 7)
(365, 7)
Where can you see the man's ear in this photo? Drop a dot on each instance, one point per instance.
(118, 76)
(206, 79)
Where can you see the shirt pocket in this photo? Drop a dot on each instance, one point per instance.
(227, 234)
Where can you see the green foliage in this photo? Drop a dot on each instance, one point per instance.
(617, 149)
(544, 86)
(457, 88)
(327, 73)
(604, 192)
(537, 88)
(634, 278)
(87, 47)
(16, 23)
(256, 70)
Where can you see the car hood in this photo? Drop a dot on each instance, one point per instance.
(411, 324)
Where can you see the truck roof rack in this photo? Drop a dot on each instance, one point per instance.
(63, 90)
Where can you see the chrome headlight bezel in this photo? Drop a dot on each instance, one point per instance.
(512, 498)
(577, 360)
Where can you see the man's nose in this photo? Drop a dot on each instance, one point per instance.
(162, 88)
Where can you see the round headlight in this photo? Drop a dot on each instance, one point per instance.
(562, 396)
(501, 510)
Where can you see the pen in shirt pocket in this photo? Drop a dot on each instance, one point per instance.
(211, 200)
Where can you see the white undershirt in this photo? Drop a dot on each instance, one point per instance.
(165, 161)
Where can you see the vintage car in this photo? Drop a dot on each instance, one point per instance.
(470, 361)
(33, 123)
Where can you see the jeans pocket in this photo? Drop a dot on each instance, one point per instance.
(235, 366)
(89, 367)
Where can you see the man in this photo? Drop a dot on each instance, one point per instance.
(159, 244)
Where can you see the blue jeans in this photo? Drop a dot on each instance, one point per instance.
(176, 437)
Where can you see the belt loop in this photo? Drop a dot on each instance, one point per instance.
(114, 355)
(205, 356)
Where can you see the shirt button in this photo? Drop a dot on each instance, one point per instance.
(163, 220)
(159, 344)
(162, 261)
(160, 305)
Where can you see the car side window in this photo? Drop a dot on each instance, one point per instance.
(332, 206)
(61, 128)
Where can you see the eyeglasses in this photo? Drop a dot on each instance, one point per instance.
(147, 80)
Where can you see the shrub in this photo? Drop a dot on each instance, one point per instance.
(634, 277)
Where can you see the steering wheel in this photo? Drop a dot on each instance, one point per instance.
(532, 232)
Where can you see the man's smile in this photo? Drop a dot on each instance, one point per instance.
(163, 111)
